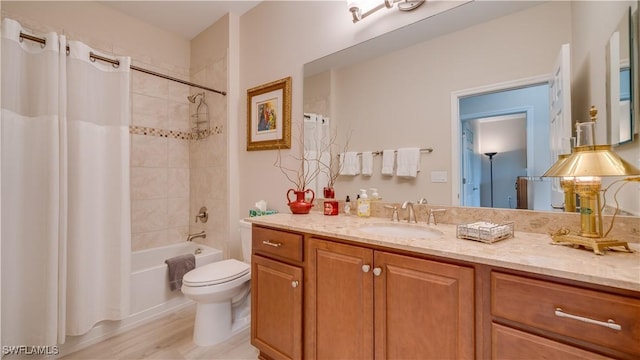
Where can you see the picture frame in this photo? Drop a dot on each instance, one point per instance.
(269, 116)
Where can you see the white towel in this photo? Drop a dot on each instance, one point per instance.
(349, 164)
(408, 162)
(367, 163)
(388, 160)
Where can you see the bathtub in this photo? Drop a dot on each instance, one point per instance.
(151, 296)
(150, 275)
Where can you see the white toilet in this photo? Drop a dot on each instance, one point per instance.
(222, 291)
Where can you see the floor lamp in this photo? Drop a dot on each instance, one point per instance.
(491, 155)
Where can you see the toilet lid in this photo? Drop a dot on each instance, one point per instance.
(216, 273)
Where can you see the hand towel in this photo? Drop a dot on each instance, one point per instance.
(349, 164)
(178, 266)
(367, 163)
(408, 162)
(388, 160)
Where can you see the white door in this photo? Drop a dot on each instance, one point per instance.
(470, 188)
(560, 114)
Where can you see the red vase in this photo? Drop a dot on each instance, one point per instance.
(329, 193)
(300, 205)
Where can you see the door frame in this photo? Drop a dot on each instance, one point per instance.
(507, 114)
(456, 136)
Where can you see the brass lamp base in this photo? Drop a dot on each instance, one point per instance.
(597, 244)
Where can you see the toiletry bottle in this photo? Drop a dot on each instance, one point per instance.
(364, 204)
(374, 194)
(347, 206)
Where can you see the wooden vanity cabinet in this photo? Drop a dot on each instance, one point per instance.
(276, 293)
(364, 304)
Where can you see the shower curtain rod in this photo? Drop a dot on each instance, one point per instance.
(116, 63)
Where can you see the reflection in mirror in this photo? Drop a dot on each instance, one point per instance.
(620, 70)
(403, 98)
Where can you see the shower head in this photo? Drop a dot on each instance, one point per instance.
(192, 98)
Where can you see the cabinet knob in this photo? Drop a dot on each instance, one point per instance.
(366, 268)
(295, 283)
(377, 271)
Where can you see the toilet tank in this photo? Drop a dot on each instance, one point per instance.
(245, 239)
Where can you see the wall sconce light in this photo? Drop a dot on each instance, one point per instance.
(403, 5)
(586, 165)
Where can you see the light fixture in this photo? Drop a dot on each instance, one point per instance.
(403, 5)
(491, 155)
(586, 165)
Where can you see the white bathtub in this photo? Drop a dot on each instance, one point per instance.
(151, 296)
(150, 275)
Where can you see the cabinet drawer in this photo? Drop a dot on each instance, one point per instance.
(280, 243)
(578, 313)
(509, 343)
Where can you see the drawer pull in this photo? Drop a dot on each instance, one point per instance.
(274, 244)
(609, 323)
(366, 268)
(295, 283)
(377, 271)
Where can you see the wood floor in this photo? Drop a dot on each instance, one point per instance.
(169, 337)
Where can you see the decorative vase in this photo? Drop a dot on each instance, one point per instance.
(300, 205)
(329, 193)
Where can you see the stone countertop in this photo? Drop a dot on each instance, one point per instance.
(525, 251)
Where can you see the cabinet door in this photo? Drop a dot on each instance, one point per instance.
(339, 315)
(276, 308)
(423, 309)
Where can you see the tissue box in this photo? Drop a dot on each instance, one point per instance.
(256, 212)
(485, 231)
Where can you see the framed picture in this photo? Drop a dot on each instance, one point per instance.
(269, 116)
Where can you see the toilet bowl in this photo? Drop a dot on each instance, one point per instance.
(222, 293)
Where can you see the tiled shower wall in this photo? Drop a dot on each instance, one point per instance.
(159, 161)
(172, 176)
(208, 158)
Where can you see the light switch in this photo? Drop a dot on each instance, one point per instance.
(438, 176)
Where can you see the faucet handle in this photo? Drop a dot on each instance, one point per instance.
(422, 201)
(203, 215)
(394, 214)
(432, 213)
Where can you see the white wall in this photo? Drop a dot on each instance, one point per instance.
(103, 28)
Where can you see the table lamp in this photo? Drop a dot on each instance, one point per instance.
(586, 164)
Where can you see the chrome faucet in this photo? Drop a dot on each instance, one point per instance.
(409, 205)
(201, 234)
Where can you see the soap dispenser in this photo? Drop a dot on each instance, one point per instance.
(374, 194)
(363, 204)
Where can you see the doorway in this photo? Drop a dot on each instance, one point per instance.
(512, 121)
(495, 154)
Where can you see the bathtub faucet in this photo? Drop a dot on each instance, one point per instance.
(201, 234)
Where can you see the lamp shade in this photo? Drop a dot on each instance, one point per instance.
(598, 160)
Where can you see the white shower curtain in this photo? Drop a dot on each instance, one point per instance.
(65, 184)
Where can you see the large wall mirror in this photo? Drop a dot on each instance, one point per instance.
(396, 90)
(622, 72)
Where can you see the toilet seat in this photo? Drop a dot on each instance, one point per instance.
(216, 273)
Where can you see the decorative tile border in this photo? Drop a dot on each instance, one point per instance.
(175, 134)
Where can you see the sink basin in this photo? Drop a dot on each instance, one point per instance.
(400, 230)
